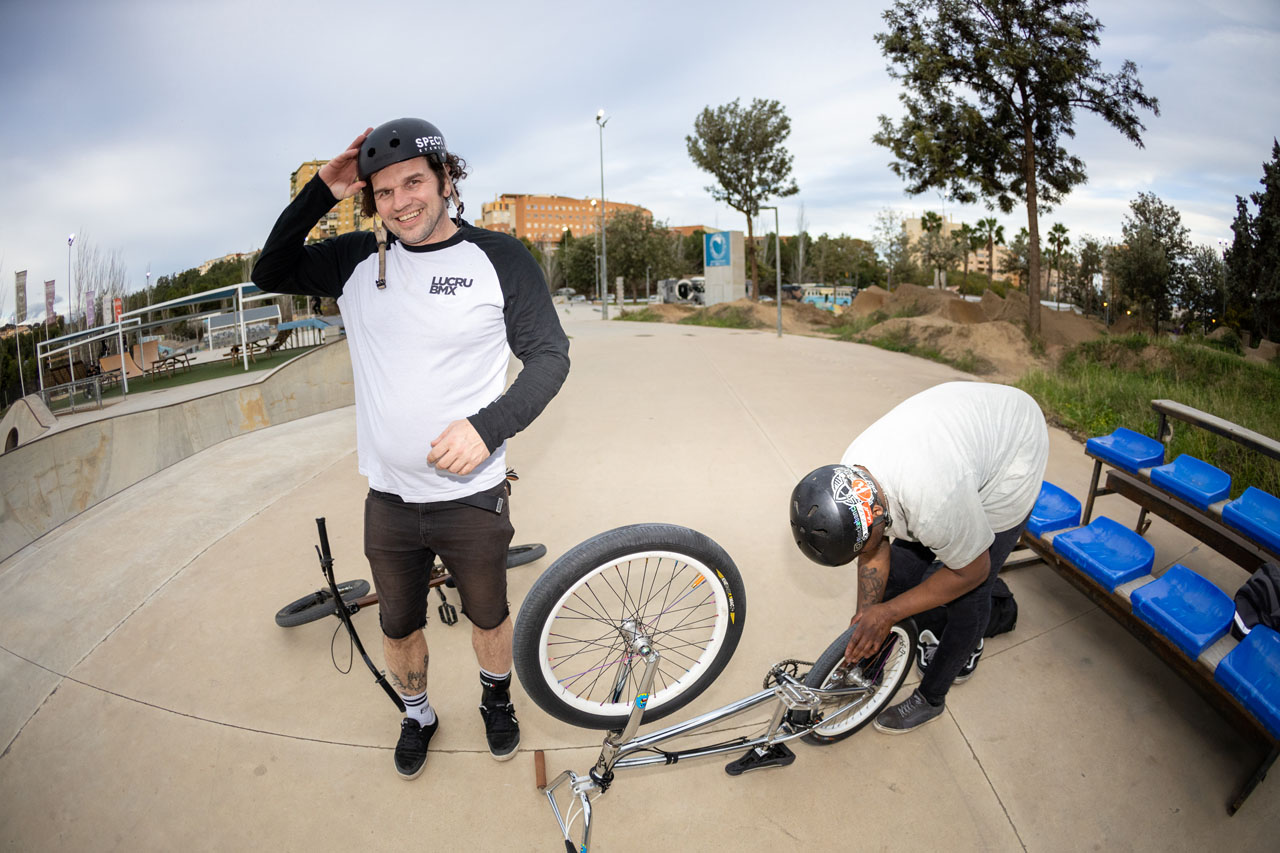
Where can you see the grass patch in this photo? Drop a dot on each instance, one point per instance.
(723, 317)
(199, 372)
(644, 315)
(1107, 383)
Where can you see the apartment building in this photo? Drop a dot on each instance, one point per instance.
(545, 218)
(345, 215)
(977, 260)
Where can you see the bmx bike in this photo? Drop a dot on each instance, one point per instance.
(633, 624)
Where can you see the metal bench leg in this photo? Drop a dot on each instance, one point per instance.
(1258, 776)
(1144, 523)
(1093, 492)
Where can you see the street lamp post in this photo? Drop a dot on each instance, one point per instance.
(1224, 245)
(777, 261)
(601, 121)
(71, 354)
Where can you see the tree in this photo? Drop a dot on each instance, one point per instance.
(1015, 261)
(1081, 289)
(893, 244)
(1253, 260)
(992, 86)
(1058, 243)
(1149, 266)
(743, 150)
(1203, 288)
(936, 250)
(991, 234)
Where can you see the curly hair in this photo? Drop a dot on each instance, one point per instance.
(453, 164)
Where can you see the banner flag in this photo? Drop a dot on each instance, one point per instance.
(20, 282)
(91, 310)
(48, 301)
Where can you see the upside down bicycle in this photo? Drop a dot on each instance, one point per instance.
(634, 623)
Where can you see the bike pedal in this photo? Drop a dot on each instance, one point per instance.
(448, 613)
(778, 755)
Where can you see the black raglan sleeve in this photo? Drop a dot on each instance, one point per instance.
(288, 265)
(534, 335)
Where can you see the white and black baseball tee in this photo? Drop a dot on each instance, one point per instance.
(433, 346)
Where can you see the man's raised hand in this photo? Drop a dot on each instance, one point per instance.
(341, 174)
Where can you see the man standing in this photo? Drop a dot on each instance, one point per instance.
(432, 315)
(952, 474)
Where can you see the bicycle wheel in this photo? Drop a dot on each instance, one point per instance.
(882, 673)
(575, 637)
(318, 604)
(518, 555)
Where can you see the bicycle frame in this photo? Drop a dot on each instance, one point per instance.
(793, 717)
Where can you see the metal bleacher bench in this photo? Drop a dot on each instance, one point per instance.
(1180, 615)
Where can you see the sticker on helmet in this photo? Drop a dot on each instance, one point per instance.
(856, 492)
(427, 142)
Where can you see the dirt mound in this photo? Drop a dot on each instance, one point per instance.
(670, 313)
(869, 301)
(992, 304)
(997, 348)
(963, 311)
(796, 318)
(1067, 328)
(1264, 353)
(912, 299)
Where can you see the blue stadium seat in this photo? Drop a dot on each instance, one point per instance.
(1198, 483)
(1251, 673)
(1055, 509)
(1186, 608)
(1126, 449)
(1106, 551)
(1257, 513)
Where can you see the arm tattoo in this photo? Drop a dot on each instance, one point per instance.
(870, 585)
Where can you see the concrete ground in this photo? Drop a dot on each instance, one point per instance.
(151, 703)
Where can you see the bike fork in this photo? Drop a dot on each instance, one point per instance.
(599, 778)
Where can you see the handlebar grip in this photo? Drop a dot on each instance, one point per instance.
(324, 538)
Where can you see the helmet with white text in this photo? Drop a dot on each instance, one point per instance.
(399, 140)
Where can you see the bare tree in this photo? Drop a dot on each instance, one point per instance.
(802, 237)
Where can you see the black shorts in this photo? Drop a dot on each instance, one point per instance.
(402, 540)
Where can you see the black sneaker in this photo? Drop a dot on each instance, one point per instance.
(501, 729)
(971, 664)
(411, 751)
(906, 716)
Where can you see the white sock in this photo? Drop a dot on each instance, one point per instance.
(419, 709)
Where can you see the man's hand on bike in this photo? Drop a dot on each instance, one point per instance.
(871, 626)
(341, 174)
(459, 449)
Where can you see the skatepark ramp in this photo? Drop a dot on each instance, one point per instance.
(63, 473)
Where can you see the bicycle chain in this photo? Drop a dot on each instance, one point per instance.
(790, 666)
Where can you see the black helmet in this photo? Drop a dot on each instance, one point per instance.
(831, 513)
(398, 140)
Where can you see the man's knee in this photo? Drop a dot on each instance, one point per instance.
(397, 631)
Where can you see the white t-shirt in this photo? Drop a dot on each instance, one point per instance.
(958, 463)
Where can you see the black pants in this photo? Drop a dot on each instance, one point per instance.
(959, 624)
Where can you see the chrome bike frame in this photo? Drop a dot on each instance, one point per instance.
(794, 716)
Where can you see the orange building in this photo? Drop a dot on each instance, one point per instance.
(544, 218)
(342, 219)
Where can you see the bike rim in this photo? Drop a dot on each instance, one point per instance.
(885, 670)
(681, 605)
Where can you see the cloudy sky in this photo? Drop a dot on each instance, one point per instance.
(166, 131)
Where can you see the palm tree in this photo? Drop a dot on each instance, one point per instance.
(991, 235)
(1058, 241)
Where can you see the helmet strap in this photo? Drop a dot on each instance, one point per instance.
(380, 231)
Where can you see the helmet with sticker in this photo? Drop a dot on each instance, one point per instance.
(832, 513)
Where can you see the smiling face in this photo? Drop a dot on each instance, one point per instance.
(409, 200)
